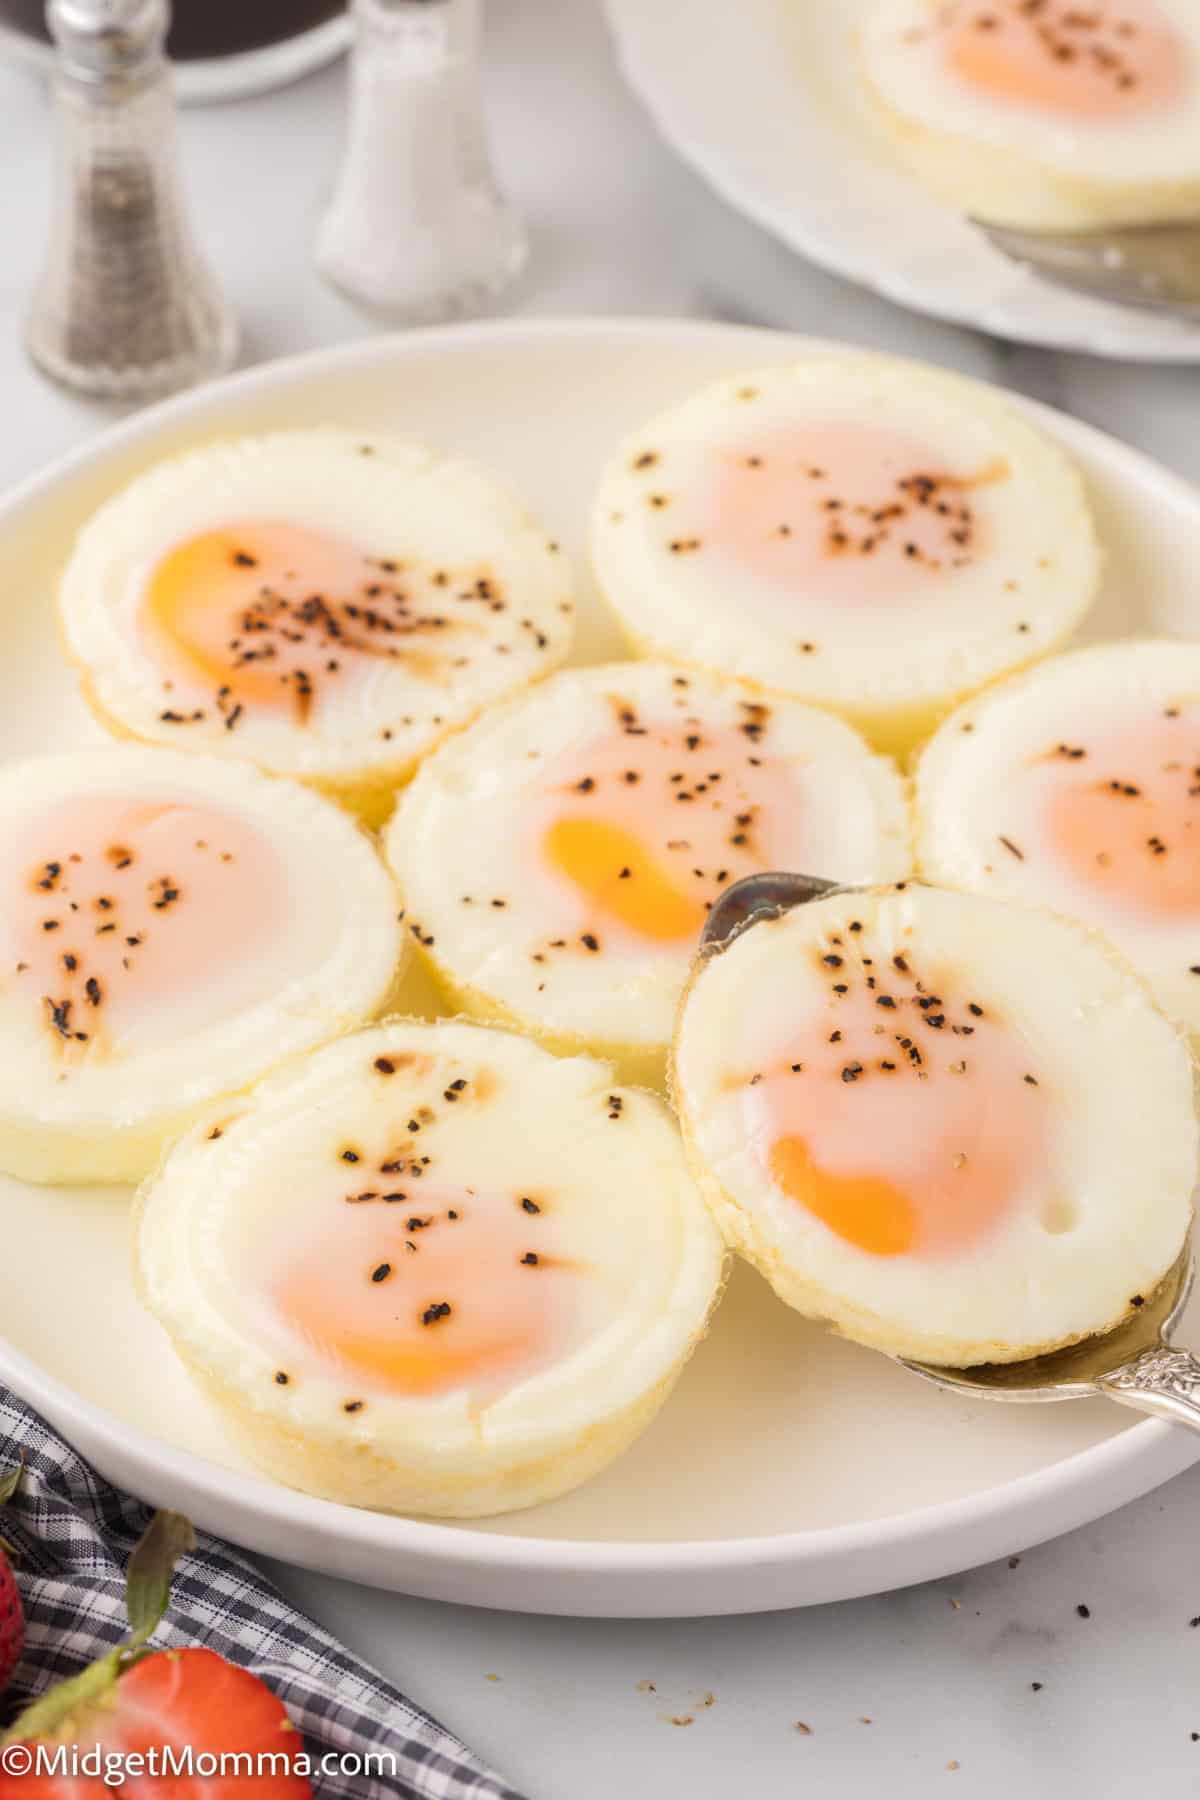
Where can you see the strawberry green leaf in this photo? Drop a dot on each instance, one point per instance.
(148, 1581)
(8, 1482)
(147, 1588)
(43, 1716)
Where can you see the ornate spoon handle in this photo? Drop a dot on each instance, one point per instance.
(1162, 1380)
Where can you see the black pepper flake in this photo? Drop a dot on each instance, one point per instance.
(385, 1065)
(282, 1377)
(852, 1071)
(381, 1271)
(885, 1000)
(1085, 1612)
(352, 1406)
(92, 989)
(529, 1206)
(832, 962)
(351, 1156)
(1031, 1081)
(1012, 848)
(976, 1011)
(439, 1310)
(590, 941)
(530, 1259)
(1138, 1300)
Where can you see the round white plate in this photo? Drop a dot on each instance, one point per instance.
(763, 98)
(789, 1467)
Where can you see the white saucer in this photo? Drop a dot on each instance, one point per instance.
(763, 98)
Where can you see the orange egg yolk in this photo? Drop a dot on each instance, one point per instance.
(124, 916)
(643, 828)
(1122, 813)
(903, 1115)
(266, 616)
(422, 1299)
(1093, 62)
(833, 511)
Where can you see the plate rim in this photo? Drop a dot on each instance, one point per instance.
(665, 104)
(1130, 1463)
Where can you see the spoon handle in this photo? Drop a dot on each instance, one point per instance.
(1162, 1380)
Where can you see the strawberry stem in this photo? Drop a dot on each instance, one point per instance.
(147, 1589)
(8, 1482)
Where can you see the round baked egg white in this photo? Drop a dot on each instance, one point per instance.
(324, 604)
(953, 1128)
(1077, 787)
(1054, 116)
(862, 533)
(171, 927)
(558, 859)
(432, 1268)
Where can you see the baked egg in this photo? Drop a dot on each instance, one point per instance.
(326, 605)
(855, 531)
(953, 1128)
(432, 1268)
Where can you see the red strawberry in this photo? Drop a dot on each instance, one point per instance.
(12, 1619)
(138, 1702)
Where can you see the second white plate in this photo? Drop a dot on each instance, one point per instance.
(764, 99)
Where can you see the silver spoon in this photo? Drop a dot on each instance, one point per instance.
(1136, 1363)
(1153, 267)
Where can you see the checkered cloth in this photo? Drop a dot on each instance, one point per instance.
(72, 1533)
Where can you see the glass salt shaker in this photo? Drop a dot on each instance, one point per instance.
(417, 229)
(125, 308)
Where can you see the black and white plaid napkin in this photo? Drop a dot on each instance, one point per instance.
(73, 1534)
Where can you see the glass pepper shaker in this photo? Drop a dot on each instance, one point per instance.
(417, 229)
(125, 308)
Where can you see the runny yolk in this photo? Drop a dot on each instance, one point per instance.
(1125, 816)
(506, 1317)
(232, 604)
(907, 1128)
(268, 615)
(869, 1212)
(833, 511)
(128, 921)
(1088, 62)
(641, 828)
(619, 876)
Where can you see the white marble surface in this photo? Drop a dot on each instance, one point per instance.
(944, 1673)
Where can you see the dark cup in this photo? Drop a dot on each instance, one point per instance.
(206, 29)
